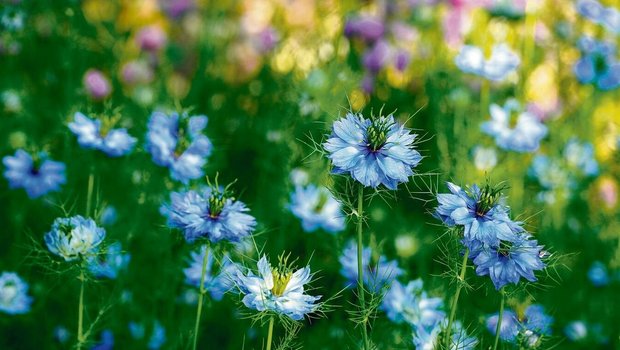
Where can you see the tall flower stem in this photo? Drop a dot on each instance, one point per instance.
(270, 332)
(360, 265)
(80, 331)
(89, 194)
(499, 319)
(203, 291)
(455, 300)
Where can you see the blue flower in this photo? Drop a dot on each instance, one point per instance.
(509, 261)
(597, 274)
(37, 175)
(177, 142)
(411, 304)
(522, 136)
(279, 290)
(14, 299)
(526, 330)
(376, 275)
(107, 341)
(485, 158)
(479, 212)
(501, 63)
(208, 213)
(580, 155)
(373, 151)
(74, 238)
(109, 263)
(92, 134)
(217, 285)
(158, 337)
(510, 327)
(576, 331)
(428, 337)
(317, 208)
(536, 320)
(591, 10)
(598, 64)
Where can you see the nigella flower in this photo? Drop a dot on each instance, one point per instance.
(107, 341)
(479, 211)
(209, 213)
(411, 304)
(376, 274)
(525, 330)
(317, 208)
(536, 320)
(510, 327)
(109, 263)
(36, 174)
(509, 261)
(177, 142)
(597, 274)
(74, 238)
(216, 285)
(373, 151)
(95, 134)
(501, 63)
(580, 155)
(576, 331)
(277, 289)
(14, 299)
(598, 64)
(428, 338)
(158, 337)
(521, 135)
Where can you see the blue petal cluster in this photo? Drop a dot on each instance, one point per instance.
(14, 299)
(425, 337)
(376, 151)
(608, 17)
(598, 64)
(598, 274)
(176, 141)
(277, 290)
(92, 134)
(526, 329)
(108, 263)
(317, 208)
(376, 274)
(106, 342)
(208, 213)
(74, 238)
(497, 68)
(37, 174)
(411, 304)
(216, 285)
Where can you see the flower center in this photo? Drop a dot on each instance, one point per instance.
(216, 204)
(377, 134)
(600, 64)
(504, 248)
(488, 199)
(280, 281)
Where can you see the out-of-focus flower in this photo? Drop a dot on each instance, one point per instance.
(376, 274)
(598, 275)
(317, 208)
(377, 57)
(106, 342)
(109, 215)
(216, 285)
(412, 305)
(576, 331)
(151, 38)
(553, 178)
(608, 17)
(97, 85)
(598, 64)
(177, 8)
(209, 213)
(61, 334)
(525, 330)
(95, 134)
(608, 192)
(373, 151)
(580, 156)
(36, 174)
(277, 289)
(74, 238)
(11, 101)
(177, 141)
(485, 158)
(299, 177)
(158, 337)
(502, 62)
(14, 299)
(509, 329)
(522, 135)
(109, 263)
(368, 28)
(12, 19)
(136, 72)
(427, 338)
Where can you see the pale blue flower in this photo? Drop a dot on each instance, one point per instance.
(279, 290)
(598, 64)
(598, 275)
(74, 238)
(576, 331)
(216, 285)
(377, 274)
(14, 299)
(428, 337)
(93, 134)
(524, 136)
(580, 155)
(36, 174)
(158, 337)
(412, 305)
(317, 208)
(485, 158)
(373, 151)
(510, 327)
(109, 263)
(502, 62)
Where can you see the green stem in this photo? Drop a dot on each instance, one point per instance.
(89, 194)
(455, 301)
(270, 332)
(80, 332)
(485, 97)
(203, 291)
(499, 320)
(360, 265)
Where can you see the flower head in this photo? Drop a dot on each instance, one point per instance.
(510, 327)
(576, 330)
(598, 64)
(36, 174)
(373, 151)
(109, 262)
(97, 85)
(377, 274)
(74, 238)
(501, 63)
(598, 275)
(317, 208)
(412, 305)
(151, 38)
(14, 297)
(177, 142)
(209, 213)
(279, 289)
(524, 329)
(216, 285)
(429, 337)
(95, 134)
(484, 158)
(580, 156)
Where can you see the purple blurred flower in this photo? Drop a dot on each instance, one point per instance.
(151, 38)
(97, 85)
(401, 60)
(368, 28)
(177, 8)
(377, 57)
(267, 39)
(136, 72)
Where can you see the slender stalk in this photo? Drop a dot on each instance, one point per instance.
(485, 97)
(455, 301)
(360, 265)
(80, 332)
(270, 332)
(89, 194)
(203, 291)
(499, 319)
